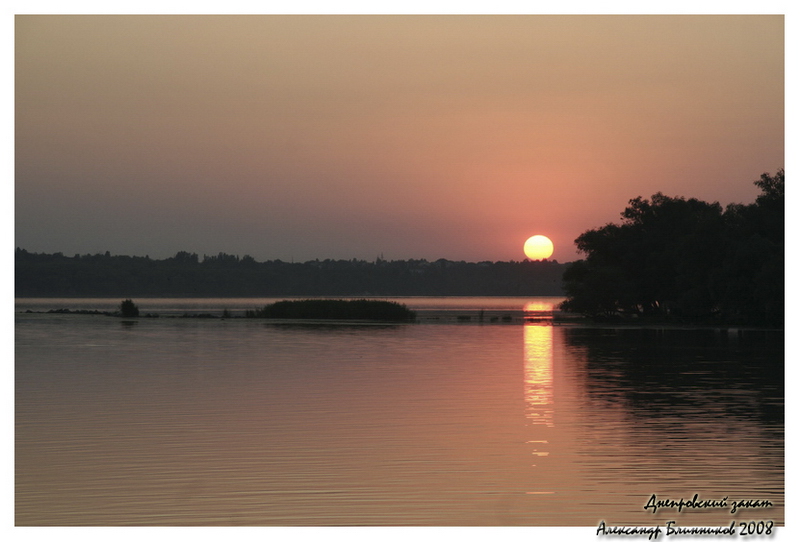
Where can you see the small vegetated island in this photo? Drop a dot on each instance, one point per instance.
(300, 309)
(336, 309)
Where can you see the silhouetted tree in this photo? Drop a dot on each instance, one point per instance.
(128, 309)
(184, 257)
(752, 275)
(685, 259)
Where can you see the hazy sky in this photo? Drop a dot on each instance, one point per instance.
(302, 137)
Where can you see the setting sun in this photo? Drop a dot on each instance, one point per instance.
(538, 247)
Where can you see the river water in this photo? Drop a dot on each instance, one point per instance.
(482, 413)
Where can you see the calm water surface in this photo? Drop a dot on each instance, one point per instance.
(176, 421)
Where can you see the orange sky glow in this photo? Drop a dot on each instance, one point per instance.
(458, 137)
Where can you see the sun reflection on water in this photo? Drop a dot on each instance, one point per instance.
(539, 374)
(539, 306)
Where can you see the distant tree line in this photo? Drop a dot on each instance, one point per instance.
(686, 260)
(226, 275)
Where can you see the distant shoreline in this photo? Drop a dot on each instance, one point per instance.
(462, 318)
(224, 275)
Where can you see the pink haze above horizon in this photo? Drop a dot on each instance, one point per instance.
(458, 137)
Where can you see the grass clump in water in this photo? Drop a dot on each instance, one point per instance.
(335, 309)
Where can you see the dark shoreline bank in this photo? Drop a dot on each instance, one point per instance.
(437, 317)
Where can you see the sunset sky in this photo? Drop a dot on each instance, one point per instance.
(303, 137)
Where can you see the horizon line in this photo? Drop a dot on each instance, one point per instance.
(203, 257)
